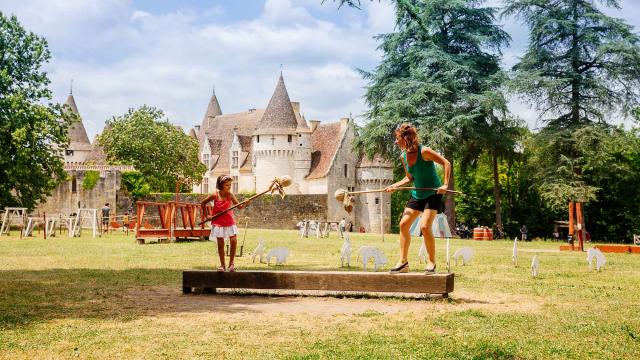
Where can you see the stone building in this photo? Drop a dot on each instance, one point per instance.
(259, 144)
(82, 159)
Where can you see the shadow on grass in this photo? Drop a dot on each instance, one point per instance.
(31, 297)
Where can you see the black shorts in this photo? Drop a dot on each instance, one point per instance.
(433, 202)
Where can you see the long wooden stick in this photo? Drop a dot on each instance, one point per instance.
(401, 188)
(233, 207)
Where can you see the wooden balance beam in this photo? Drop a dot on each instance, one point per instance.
(210, 280)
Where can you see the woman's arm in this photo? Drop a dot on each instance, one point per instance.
(429, 154)
(404, 181)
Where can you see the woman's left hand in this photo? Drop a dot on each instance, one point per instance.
(443, 189)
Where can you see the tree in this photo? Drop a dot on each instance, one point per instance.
(441, 72)
(580, 67)
(32, 130)
(145, 139)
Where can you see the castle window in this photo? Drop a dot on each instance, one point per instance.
(234, 159)
(377, 201)
(205, 185)
(68, 152)
(235, 184)
(299, 135)
(74, 185)
(289, 138)
(205, 160)
(346, 170)
(257, 138)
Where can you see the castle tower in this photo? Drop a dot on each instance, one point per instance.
(79, 144)
(373, 209)
(213, 110)
(275, 140)
(302, 156)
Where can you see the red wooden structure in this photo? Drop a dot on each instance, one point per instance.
(176, 220)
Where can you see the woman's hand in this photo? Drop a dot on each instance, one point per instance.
(390, 188)
(443, 189)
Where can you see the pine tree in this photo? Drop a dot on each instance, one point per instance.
(580, 68)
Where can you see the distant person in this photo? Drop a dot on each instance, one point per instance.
(523, 232)
(556, 235)
(125, 222)
(105, 216)
(350, 226)
(342, 227)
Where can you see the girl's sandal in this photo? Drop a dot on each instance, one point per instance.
(221, 268)
(232, 268)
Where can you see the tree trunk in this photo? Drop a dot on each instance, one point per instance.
(496, 191)
(450, 202)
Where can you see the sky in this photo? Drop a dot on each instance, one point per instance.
(122, 54)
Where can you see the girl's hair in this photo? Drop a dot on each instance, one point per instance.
(407, 133)
(221, 180)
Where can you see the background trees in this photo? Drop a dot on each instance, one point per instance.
(32, 130)
(160, 151)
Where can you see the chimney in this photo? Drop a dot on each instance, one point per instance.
(296, 107)
(314, 124)
(197, 128)
(344, 122)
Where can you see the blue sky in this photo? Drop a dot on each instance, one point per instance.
(169, 54)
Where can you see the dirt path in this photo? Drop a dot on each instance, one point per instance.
(167, 300)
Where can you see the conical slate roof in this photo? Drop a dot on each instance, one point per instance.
(78, 139)
(213, 110)
(279, 117)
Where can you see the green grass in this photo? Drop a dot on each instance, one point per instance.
(111, 298)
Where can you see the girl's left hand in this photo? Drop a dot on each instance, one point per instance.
(443, 189)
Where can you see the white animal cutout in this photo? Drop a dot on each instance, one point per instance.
(280, 254)
(466, 253)
(370, 252)
(345, 252)
(423, 254)
(259, 251)
(514, 255)
(636, 239)
(599, 256)
(535, 266)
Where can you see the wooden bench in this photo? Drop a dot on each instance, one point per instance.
(210, 280)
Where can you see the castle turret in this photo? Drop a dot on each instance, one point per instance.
(275, 140)
(373, 209)
(79, 144)
(208, 123)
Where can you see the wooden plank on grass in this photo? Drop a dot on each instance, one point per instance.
(319, 280)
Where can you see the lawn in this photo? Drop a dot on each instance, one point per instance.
(111, 298)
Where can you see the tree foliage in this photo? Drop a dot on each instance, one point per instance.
(145, 139)
(32, 130)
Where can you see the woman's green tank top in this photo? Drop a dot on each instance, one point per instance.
(424, 175)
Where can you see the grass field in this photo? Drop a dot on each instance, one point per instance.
(111, 298)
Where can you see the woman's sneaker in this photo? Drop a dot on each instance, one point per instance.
(403, 268)
(431, 271)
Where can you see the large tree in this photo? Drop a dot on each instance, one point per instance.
(580, 68)
(440, 71)
(162, 152)
(32, 130)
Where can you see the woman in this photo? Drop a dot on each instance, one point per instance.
(418, 163)
(224, 226)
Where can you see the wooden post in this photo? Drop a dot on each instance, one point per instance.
(44, 217)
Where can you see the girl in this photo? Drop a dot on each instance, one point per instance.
(418, 163)
(224, 226)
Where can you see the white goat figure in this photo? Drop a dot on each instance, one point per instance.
(600, 259)
(423, 254)
(280, 254)
(636, 239)
(371, 252)
(466, 253)
(345, 252)
(259, 251)
(535, 265)
(514, 255)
